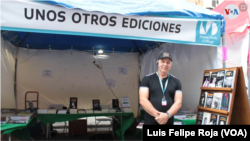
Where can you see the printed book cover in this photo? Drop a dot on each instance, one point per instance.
(96, 104)
(209, 99)
(199, 118)
(225, 101)
(223, 120)
(216, 103)
(220, 78)
(115, 103)
(73, 103)
(206, 118)
(214, 119)
(206, 79)
(229, 79)
(213, 79)
(202, 99)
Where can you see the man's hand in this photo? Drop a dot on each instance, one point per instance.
(162, 118)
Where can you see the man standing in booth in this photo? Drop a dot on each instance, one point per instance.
(161, 94)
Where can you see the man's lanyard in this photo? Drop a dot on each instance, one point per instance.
(166, 84)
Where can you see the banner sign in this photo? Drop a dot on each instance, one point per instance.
(43, 18)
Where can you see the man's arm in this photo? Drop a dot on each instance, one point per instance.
(177, 103)
(146, 104)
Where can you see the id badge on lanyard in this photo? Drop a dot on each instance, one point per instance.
(163, 101)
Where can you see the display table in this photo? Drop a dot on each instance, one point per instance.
(20, 131)
(126, 120)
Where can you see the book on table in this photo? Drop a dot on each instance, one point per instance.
(73, 103)
(64, 111)
(81, 111)
(73, 111)
(140, 125)
(96, 104)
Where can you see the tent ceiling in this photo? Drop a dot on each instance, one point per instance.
(159, 8)
(84, 43)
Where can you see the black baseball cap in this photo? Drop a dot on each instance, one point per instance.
(165, 55)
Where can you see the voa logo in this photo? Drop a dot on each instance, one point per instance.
(208, 28)
(231, 11)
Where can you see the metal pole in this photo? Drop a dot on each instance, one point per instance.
(223, 45)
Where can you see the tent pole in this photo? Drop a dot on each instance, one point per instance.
(15, 73)
(248, 89)
(223, 45)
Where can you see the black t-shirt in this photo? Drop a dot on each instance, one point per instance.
(151, 81)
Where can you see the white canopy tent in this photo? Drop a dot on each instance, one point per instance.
(72, 72)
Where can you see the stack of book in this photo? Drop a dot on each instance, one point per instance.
(64, 111)
(18, 119)
(73, 111)
(52, 111)
(140, 125)
(42, 111)
(178, 123)
(81, 111)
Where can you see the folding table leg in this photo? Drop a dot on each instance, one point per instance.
(9, 136)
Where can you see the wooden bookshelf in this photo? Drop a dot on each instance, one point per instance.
(216, 89)
(238, 110)
(212, 110)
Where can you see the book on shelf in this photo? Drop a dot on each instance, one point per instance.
(206, 118)
(216, 103)
(229, 79)
(52, 111)
(225, 102)
(220, 78)
(214, 119)
(96, 104)
(206, 79)
(213, 79)
(125, 102)
(81, 111)
(209, 99)
(140, 125)
(178, 123)
(203, 99)
(64, 111)
(199, 118)
(73, 111)
(73, 103)
(180, 116)
(222, 120)
(115, 103)
(42, 111)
